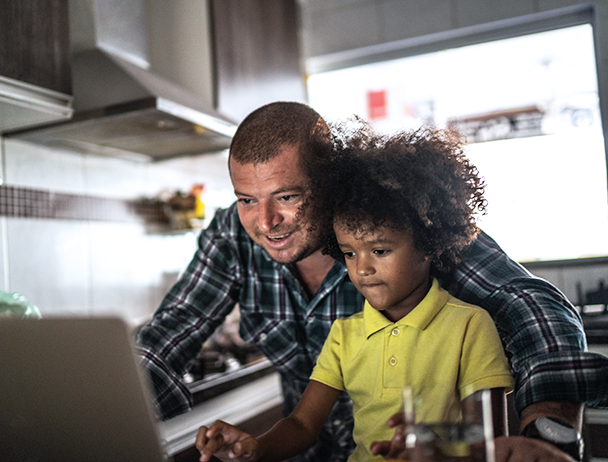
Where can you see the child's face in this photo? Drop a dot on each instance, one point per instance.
(386, 267)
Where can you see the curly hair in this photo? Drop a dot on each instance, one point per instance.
(419, 182)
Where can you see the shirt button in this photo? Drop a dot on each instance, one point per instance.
(392, 361)
(395, 331)
(310, 319)
(263, 337)
(337, 422)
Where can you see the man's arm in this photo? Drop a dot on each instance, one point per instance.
(194, 307)
(540, 329)
(569, 412)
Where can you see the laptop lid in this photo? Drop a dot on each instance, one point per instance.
(71, 390)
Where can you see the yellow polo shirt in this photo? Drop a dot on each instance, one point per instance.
(444, 349)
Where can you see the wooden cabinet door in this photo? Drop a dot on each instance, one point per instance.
(256, 53)
(34, 43)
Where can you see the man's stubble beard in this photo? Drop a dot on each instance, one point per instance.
(312, 244)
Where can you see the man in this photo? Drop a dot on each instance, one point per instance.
(264, 253)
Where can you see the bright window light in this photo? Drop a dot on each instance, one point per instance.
(530, 110)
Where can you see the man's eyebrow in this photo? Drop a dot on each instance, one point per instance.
(293, 190)
(296, 189)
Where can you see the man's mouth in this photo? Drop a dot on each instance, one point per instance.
(277, 238)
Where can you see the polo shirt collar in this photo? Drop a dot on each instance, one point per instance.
(419, 318)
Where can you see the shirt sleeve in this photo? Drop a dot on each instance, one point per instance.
(541, 331)
(327, 370)
(483, 363)
(194, 307)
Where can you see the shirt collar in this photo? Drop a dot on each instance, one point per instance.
(419, 318)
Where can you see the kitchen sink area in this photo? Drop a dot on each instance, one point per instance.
(229, 380)
(235, 396)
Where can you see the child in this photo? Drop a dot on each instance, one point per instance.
(402, 212)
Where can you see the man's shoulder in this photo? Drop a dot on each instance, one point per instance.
(225, 218)
(225, 234)
(226, 225)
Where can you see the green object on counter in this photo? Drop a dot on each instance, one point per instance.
(15, 305)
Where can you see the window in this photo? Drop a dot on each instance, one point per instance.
(530, 110)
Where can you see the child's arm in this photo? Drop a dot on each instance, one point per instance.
(499, 410)
(287, 438)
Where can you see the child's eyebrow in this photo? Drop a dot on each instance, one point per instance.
(382, 240)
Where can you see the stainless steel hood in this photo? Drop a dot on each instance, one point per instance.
(122, 107)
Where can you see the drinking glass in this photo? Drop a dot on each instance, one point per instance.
(469, 440)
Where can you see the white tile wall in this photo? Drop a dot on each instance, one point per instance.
(116, 178)
(129, 267)
(69, 267)
(48, 263)
(41, 167)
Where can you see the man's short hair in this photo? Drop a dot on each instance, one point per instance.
(269, 128)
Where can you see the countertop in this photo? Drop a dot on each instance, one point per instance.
(234, 397)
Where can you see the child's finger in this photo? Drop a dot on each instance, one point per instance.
(211, 446)
(245, 448)
(201, 438)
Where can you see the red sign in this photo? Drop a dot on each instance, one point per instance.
(376, 104)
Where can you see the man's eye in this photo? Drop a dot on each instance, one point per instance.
(244, 201)
(380, 252)
(288, 197)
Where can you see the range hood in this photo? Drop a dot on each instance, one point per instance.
(122, 107)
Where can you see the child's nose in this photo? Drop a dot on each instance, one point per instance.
(364, 267)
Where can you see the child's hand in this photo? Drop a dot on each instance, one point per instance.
(395, 448)
(226, 442)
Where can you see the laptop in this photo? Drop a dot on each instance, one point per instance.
(71, 390)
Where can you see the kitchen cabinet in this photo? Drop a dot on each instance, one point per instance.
(35, 77)
(34, 43)
(257, 57)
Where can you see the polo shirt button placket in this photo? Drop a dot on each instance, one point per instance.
(395, 332)
(392, 361)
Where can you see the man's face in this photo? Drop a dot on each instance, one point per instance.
(269, 195)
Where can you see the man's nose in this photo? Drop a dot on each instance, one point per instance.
(269, 217)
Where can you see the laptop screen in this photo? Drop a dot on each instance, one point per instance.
(71, 390)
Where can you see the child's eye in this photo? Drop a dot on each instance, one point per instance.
(380, 251)
(348, 254)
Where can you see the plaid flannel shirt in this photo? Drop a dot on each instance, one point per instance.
(541, 331)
